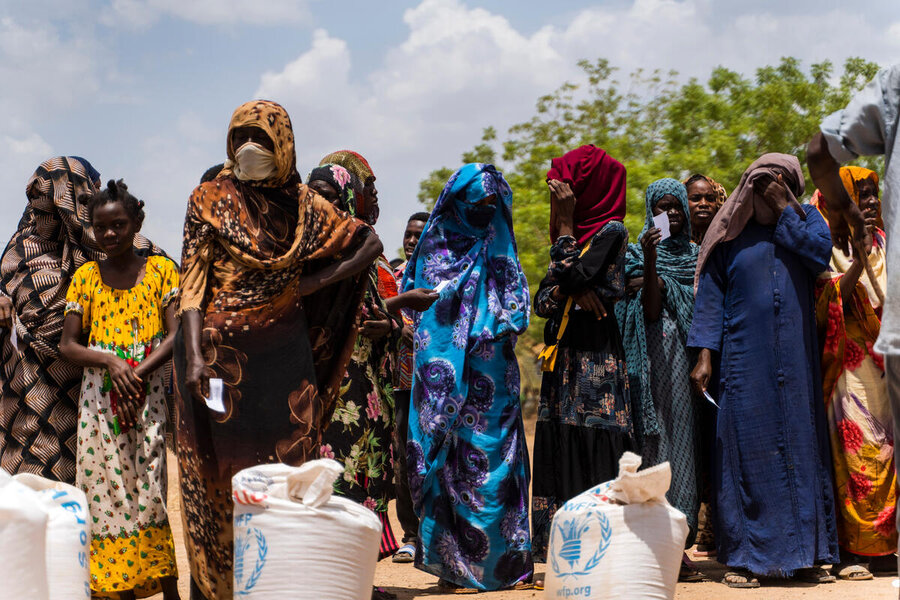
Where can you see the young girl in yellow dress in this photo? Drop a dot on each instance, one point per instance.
(125, 305)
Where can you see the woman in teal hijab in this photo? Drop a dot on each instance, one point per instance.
(655, 318)
(467, 460)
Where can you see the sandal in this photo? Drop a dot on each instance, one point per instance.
(379, 593)
(539, 585)
(814, 575)
(520, 587)
(451, 587)
(689, 572)
(705, 550)
(853, 572)
(740, 578)
(406, 554)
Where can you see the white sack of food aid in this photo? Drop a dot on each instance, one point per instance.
(23, 527)
(68, 537)
(293, 539)
(619, 540)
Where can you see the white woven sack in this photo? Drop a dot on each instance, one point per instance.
(618, 540)
(68, 537)
(23, 525)
(293, 539)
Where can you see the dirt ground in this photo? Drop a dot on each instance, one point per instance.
(408, 582)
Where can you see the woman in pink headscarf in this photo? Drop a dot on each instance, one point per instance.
(584, 420)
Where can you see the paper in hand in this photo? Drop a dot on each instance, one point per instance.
(214, 402)
(710, 398)
(13, 336)
(440, 287)
(661, 222)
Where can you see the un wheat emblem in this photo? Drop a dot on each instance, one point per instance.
(243, 540)
(567, 544)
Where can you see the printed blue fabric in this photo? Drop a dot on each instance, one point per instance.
(468, 464)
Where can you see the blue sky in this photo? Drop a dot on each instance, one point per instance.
(144, 88)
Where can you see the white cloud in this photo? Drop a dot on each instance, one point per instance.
(142, 13)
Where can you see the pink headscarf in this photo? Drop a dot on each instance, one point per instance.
(744, 204)
(598, 182)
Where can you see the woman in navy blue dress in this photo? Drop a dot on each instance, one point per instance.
(754, 312)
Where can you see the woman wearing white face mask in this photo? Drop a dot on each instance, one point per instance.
(262, 253)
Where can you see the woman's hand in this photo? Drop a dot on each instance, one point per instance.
(6, 311)
(378, 327)
(196, 378)
(406, 334)
(562, 206)
(124, 381)
(702, 371)
(776, 196)
(129, 410)
(588, 300)
(649, 241)
(419, 299)
(634, 285)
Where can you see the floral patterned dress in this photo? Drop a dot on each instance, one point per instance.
(584, 418)
(858, 408)
(123, 471)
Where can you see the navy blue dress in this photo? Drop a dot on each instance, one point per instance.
(772, 476)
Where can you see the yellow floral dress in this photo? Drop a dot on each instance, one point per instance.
(123, 472)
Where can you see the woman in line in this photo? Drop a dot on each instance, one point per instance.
(251, 235)
(126, 305)
(38, 409)
(848, 312)
(655, 321)
(584, 418)
(468, 462)
(754, 314)
(362, 426)
(705, 197)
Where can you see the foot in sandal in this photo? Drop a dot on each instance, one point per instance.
(689, 572)
(740, 578)
(852, 572)
(453, 588)
(814, 575)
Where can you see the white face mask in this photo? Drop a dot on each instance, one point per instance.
(254, 163)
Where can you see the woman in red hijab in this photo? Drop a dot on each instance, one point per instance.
(584, 419)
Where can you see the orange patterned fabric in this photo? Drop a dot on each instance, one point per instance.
(859, 413)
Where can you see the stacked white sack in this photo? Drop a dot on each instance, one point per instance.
(293, 539)
(23, 526)
(618, 540)
(68, 537)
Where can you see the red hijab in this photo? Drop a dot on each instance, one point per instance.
(598, 181)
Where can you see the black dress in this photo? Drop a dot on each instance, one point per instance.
(584, 420)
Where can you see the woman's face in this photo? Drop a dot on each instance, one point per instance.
(250, 133)
(702, 204)
(670, 205)
(869, 203)
(326, 190)
(371, 200)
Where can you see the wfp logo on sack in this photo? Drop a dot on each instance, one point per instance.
(250, 550)
(571, 554)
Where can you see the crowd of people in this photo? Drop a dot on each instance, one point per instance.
(737, 340)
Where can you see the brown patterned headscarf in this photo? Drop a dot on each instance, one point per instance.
(274, 121)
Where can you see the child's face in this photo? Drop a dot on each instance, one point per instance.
(113, 228)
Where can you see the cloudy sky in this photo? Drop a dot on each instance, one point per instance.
(145, 88)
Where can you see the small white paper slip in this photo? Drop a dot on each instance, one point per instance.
(710, 398)
(13, 336)
(440, 287)
(661, 222)
(214, 402)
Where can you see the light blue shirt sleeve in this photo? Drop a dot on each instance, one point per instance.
(866, 126)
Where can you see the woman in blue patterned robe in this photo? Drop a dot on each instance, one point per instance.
(468, 464)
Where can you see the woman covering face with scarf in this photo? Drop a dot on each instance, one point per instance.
(38, 412)
(754, 314)
(251, 238)
(584, 418)
(466, 449)
(655, 321)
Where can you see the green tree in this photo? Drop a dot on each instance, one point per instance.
(657, 126)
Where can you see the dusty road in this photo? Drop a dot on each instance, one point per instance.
(408, 582)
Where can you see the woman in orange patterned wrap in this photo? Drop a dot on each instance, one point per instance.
(250, 238)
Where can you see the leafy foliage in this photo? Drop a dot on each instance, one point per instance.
(657, 127)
